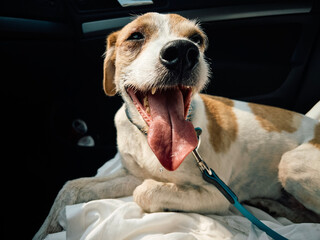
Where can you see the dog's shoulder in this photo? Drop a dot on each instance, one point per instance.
(222, 121)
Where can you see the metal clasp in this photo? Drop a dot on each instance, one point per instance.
(201, 164)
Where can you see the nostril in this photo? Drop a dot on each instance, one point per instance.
(193, 54)
(179, 55)
(170, 56)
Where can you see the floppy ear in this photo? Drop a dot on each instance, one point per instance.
(109, 65)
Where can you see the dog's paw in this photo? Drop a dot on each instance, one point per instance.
(153, 196)
(148, 196)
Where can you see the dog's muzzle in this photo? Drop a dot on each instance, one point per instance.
(179, 56)
(165, 106)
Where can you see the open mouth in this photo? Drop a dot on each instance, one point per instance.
(170, 136)
(141, 99)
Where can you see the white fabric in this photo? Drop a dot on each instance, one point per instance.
(118, 219)
(314, 112)
(110, 167)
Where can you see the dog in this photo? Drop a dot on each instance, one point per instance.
(157, 64)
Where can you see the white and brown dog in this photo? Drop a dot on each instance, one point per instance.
(157, 64)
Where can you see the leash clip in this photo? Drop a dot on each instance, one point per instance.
(201, 164)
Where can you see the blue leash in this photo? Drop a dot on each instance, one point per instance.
(211, 177)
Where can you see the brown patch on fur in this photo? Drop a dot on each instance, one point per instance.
(126, 50)
(275, 119)
(222, 122)
(316, 140)
(143, 24)
(129, 50)
(109, 65)
(185, 28)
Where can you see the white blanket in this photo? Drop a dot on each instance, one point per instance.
(118, 219)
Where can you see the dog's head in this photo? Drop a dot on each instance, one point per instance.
(157, 63)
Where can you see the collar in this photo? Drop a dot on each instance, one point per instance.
(142, 129)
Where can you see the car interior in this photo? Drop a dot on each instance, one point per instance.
(52, 54)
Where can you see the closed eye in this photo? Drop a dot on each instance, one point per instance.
(136, 36)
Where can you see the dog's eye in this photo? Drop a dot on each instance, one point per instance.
(196, 38)
(136, 36)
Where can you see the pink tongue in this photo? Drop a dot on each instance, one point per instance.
(170, 136)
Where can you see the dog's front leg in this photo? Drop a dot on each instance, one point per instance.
(155, 196)
(86, 189)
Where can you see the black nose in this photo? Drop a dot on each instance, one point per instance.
(179, 55)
